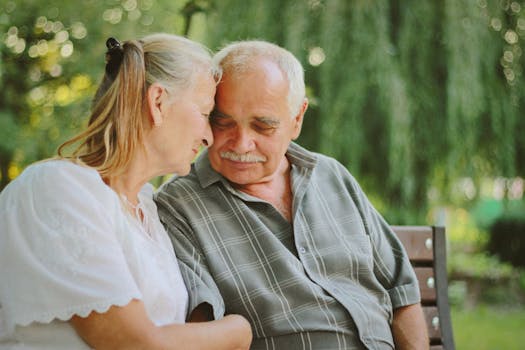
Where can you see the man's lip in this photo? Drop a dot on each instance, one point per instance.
(239, 165)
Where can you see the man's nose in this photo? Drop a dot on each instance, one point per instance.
(243, 141)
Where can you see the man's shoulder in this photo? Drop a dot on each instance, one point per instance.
(174, 185)
(328, 163)
(328, 169)
(326, 159)
(308, 157)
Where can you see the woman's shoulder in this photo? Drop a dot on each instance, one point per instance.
(52, 171)
(55, 169)
(57, 179)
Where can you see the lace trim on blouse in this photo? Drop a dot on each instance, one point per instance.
(67, 314)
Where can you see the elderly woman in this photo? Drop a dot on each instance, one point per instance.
(84, 260)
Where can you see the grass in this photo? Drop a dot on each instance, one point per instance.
(489, 328)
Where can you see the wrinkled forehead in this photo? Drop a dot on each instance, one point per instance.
(263, 80)
(249, 66)
(261, 73)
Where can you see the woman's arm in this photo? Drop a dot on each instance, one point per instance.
(129, 327)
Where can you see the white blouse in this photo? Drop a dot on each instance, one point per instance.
(68, 247)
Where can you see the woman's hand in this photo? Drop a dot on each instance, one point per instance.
(129, 327)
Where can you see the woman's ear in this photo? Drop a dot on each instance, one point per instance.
(155, 96)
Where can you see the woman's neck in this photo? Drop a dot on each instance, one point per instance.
(131, 179)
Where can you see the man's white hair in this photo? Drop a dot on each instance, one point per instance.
(237, 57)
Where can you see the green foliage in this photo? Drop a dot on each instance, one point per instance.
(477, 277)
(478, 266)
(409, 95)
(485, 328)
(507, 239)
(52, 58)
(486, 211)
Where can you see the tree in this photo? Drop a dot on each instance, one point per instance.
(409, 95)
(52, 58)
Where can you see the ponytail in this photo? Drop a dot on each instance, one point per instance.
(115, 128)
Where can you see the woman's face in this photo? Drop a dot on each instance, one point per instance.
(185, 126)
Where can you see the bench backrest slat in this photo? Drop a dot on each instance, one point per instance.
(426, 248)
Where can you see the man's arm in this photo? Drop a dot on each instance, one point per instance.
(409, 328)
(200, 283)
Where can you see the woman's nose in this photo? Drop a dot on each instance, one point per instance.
(208, 136)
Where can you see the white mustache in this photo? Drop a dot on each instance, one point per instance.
(244, 158)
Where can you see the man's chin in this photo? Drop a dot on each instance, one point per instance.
(241, 173)
(239, 179)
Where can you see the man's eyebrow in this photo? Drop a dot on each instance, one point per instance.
(219, 114)
(269, 121)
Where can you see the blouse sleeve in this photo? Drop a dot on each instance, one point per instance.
(60, 249)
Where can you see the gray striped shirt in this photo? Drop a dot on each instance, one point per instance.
(328, 280)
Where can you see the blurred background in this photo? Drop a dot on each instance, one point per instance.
(423, 101)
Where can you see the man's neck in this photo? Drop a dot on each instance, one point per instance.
(276, 190)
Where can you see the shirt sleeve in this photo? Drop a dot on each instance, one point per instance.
(391, 264)
(60, 253)
(193, 265)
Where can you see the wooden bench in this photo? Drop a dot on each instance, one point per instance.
(426, 248)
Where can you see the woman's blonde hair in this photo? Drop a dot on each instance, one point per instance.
(117, 122)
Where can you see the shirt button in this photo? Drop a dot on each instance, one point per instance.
(302, 250)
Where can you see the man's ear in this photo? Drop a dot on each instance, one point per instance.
(298, 119)
(155, 97)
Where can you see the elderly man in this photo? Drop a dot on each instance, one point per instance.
(284, 236)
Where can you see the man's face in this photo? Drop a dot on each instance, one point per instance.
(252, 124)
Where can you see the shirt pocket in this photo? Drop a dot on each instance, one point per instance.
(359, 250)
(349, 256)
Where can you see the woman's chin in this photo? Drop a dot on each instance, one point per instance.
(182, 171)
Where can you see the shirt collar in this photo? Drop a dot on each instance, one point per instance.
(205, 173)
(301, 157)
(297, 155)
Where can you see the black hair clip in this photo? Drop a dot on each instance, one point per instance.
(112, 43)
(114, 57)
